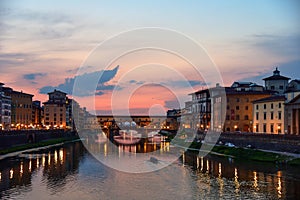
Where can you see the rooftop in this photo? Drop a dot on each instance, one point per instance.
(56, 91)
(271, 98)
(276, 76)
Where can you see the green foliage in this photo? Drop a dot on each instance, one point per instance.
(294, 162)
(35, 145)
(248, 154)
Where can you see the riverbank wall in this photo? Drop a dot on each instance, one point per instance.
(10, 139)
(283, 143)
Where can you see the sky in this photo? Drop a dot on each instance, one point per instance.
(46, 45)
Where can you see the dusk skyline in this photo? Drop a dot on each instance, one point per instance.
(43, 44)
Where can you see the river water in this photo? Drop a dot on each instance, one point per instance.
(71, 172)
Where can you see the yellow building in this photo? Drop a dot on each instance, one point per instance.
(21, 108)
(55, 115)
(268, 115)
(55, 110)
(234, 104)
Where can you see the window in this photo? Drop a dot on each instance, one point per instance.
(257, 107)
(257, 129)
(246, 108)
(246, 117)
(272, 87)
(257, 116)
(247, 99)
(279, 115)
(281, 87)
(272, 115)
(237, 107)
(279, 105)
(237, 99)
(272, 128)
(271, 105)
(228, 107)
(237, 117)
(265, 128)
(265, 106)
(265, 115)
(227, 117)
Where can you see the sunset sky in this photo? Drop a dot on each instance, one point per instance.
(43, 44)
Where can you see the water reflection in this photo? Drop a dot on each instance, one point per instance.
(236, 181)
(17, 173)
(267, 182)
(66, 173)
(279, 188)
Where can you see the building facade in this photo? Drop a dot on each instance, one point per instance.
(235, 104)
(239, 109)
(21, 108)
(5, 109)
(201, 109)
(55, 110)
(37, 114)
(276, 82)
(268, 115)
(292, 116)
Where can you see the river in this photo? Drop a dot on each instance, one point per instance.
(71, 172)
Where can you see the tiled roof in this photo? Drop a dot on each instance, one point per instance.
(271, 98)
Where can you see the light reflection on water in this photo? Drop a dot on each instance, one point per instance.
(69, 172)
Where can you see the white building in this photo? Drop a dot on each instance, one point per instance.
(277, 82)
(5, 110)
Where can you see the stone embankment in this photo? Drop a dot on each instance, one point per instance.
(282, 143)
(10, 139)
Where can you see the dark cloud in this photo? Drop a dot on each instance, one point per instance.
(136, 82)
(33, 76)
(99, 93)
(86, 80)
(14, 60)
(281, 45)
(289, 69)
(187, 83)
(75, 70)
(132, 81)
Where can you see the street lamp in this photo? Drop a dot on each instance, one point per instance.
(235, 127)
